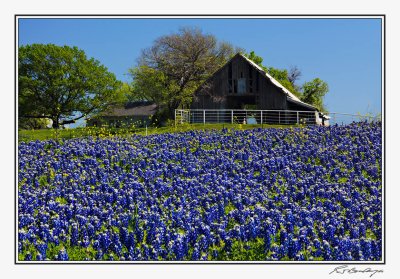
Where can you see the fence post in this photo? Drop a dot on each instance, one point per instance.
(297, 117)
(232, 116)
(204, 116)
(279, 117)
(175, 119)
(261, 117)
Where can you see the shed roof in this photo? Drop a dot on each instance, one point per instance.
(132, 109)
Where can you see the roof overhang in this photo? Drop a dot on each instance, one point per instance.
(300, 103)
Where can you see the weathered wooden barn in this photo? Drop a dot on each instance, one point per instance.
(242, 84)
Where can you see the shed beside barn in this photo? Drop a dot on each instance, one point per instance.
(132, 113)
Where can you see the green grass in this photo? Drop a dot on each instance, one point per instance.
(61, 200)
(47, 134)
(370, 234)
(64, 134)
(252, 250)
(343, 180)
(229, 207)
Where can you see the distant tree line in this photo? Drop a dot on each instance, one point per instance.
(61, 84)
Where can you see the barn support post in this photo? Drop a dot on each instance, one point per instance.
(232, 116)
(297, 117)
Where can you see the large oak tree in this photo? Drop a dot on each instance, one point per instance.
(170, 71)
(60, 83)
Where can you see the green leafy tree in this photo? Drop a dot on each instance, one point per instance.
(256, 59)
(283, 78)
(125, 93)
(33, 123)
(150, 85)
(311, 92)
(314, 92)
(62, 84)
(172, 69)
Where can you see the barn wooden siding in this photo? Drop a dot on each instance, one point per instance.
(236, 84)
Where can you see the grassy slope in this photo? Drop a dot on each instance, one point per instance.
(45, 134)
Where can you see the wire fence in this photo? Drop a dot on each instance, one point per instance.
(277, 117)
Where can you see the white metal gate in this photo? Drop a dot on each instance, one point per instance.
(278, 117)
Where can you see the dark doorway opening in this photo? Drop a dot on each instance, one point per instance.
(242, 102)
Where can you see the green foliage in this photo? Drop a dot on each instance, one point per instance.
(43, 181)
(125, 93)
(61, 200)
(370, 234)
(278, 74)
(229, 207)
(33, 123)
(343, 180)
(150, 84)
(282, 77)
(62, 84)
(314, 92)
(154, 85)
(255, 58)
(172, 69)
(31, 135)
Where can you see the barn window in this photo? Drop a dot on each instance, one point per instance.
(241, 85)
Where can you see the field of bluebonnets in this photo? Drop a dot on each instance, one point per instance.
(309, 193)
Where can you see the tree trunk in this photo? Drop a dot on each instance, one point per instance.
(172, 106)
(56, 122)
